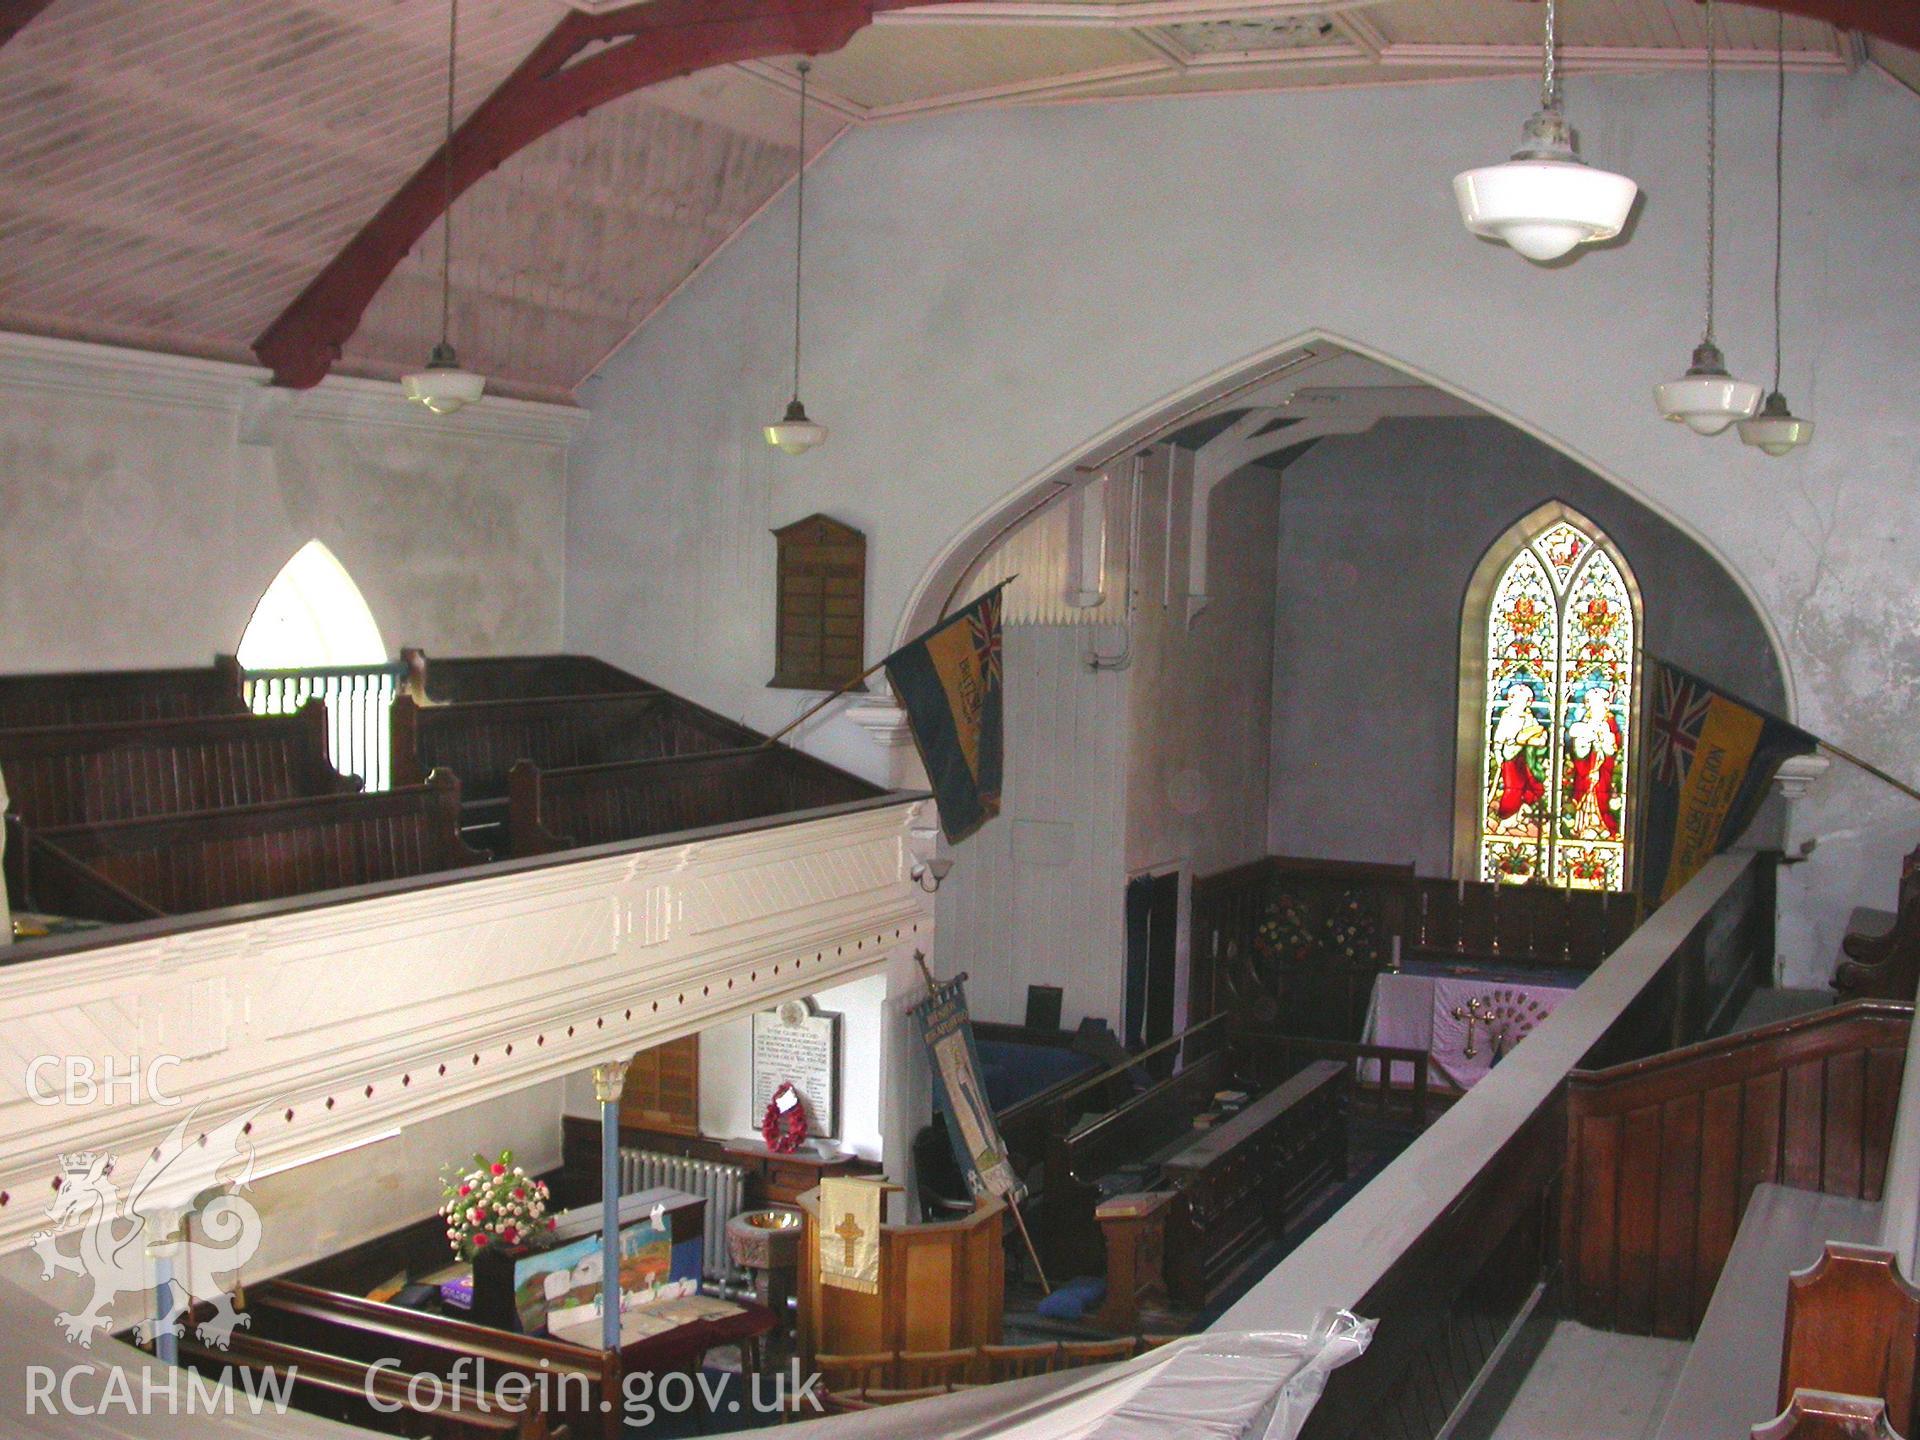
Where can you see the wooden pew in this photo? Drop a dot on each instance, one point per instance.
(557, 809)
(512, 677)
(1824, 1415)
(1886, 966)
(347, 1390)
(1853, 1326)
(124, 770)
(127, 870)
(1153, 1119)
(481, 740)
(577, 1380)
(96, 697)
(1243, 1181)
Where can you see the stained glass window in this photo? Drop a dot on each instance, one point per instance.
(1560, 685)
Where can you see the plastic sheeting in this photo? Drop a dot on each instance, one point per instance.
(1257, 1386)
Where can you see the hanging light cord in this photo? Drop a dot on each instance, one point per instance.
(799, 224)
(446, 176)
(1779, 175)
(1713, 116)
(1549, 78)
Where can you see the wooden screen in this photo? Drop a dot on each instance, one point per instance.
(820, 628)
(663, 1088)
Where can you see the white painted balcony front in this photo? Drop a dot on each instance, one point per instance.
(337, 1020)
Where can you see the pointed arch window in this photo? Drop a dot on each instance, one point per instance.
(1557, 629)
(311, 636)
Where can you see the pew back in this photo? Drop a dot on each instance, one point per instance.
(514, 677)
(94, 697)
(571, 1381)
(123, 770)
(204, 860)
(481, 740)
(556, 809)
(356, 1392)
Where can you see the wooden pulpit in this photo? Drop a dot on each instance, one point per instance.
(942, 1287)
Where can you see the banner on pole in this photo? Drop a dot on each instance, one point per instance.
(958, 1093)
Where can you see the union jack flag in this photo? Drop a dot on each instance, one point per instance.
(984, 625)
(1678, 714)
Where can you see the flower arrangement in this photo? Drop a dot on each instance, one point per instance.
(495, 1203)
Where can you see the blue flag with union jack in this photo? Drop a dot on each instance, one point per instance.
(949, 681)
(1710, 759)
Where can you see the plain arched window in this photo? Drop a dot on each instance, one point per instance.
(313, 637)
(311, 616)
(1553, 744)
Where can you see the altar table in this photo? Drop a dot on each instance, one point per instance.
(1466, 1023)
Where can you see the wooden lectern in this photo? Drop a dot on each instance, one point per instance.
(942, 1287)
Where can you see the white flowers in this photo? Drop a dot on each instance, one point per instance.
(495, 1203)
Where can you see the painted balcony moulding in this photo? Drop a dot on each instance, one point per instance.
(337, 1026)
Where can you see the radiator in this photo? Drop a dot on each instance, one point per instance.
(723, 1187)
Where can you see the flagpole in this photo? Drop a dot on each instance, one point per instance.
(813, 710)
(1827, 745)
(1870, 768)
(1012, 1198)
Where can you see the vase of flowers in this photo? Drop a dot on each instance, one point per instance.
(494, 1203)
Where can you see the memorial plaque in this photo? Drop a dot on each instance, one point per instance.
(821, 622)
(798, 1044)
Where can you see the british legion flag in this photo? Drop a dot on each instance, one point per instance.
(1710, 759)
(950, 682)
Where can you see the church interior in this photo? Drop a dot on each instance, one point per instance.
(1064, 718)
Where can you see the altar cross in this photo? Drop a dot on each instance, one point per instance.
(1473, 1015)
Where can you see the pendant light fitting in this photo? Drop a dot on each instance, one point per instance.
(443, 387)
(794, 433)
(1776, 429)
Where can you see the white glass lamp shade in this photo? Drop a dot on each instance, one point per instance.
(1707, 399)
(1776, 429)
(443, 387)
(794, 432)
(1545, 200)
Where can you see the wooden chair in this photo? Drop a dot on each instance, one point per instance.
(1154, 1342)
(940, 1369)
(850, 1374)
(902, 1396)
(1076, 1353)
(1018, 1362)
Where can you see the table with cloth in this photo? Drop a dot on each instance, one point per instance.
(1465, 1022)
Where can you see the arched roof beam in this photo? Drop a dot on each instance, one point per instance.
(15, 14)
(631, 48)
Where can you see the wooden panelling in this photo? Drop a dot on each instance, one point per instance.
(1664, 1153)
(95, 697)
(206, 860)
(79, 774)
(1332, 925)
(481, 740)
(557, 809)
(662, 1090)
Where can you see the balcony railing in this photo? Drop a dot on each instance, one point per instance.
(357, 697)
